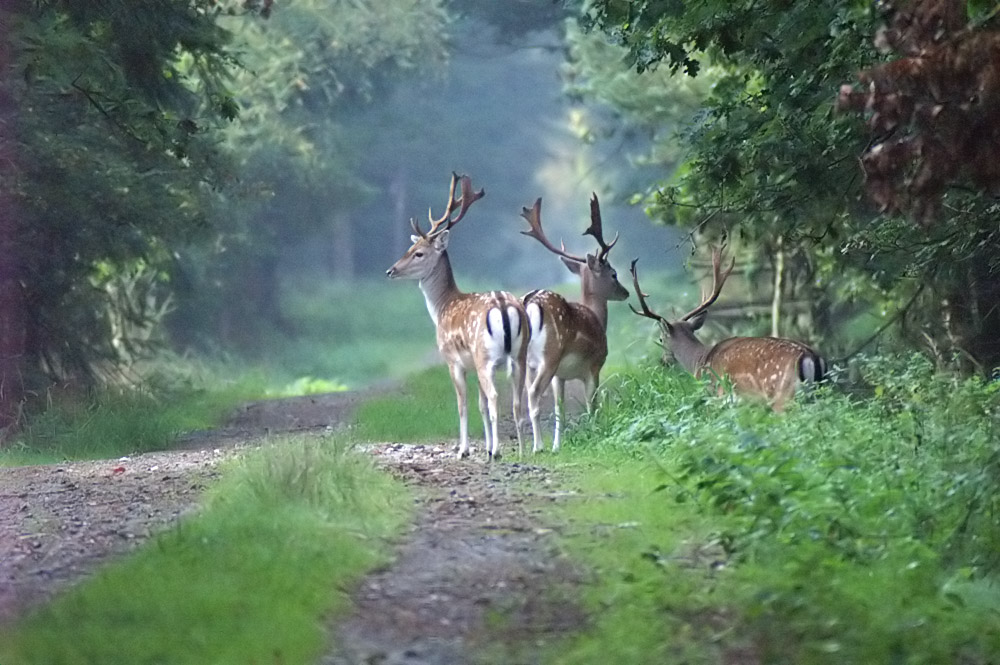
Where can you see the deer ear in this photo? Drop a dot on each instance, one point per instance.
(573, 266)
(593, 263)
(441, 241)
(414, 239)
(698, 320)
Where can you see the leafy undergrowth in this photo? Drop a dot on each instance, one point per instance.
(250, 579)
(846, 530)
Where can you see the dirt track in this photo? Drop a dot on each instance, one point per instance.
(478, 574)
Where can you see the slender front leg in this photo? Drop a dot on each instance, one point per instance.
(558, 398)
(458, 379)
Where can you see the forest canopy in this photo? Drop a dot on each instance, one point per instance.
(801, 94)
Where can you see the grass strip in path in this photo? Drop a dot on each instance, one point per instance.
(250, 579)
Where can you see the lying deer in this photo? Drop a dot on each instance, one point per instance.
(475, 331)
(770, 367)
(569, 340)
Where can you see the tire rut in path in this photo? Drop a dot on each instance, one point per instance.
(478, 578)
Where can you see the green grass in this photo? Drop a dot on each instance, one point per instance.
(425, 410)
(121, 421)
(251, 579)
(851, 531)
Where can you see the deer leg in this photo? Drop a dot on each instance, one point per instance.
(488, 390)
(517, 377)
(543, 377)
(458, 379)
(591, 382)
(484, 411)
(558, 399)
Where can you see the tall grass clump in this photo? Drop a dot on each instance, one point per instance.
(252, 578)
(847, 529)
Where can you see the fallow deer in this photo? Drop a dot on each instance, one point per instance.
(475, 331)
(769, 367)
(569, 340)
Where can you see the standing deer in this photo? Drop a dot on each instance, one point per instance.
(479, 331)
(770, 367)
(569, 340)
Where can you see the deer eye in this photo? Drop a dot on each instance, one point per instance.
(418, 254)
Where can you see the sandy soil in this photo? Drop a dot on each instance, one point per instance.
(477, 578)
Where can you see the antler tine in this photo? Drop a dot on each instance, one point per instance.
(719, 278)
(435, 223)
(596, 228)
(534, 217)
(646, 311)
(464, 202)
(417, 229)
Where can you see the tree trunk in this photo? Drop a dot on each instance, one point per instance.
(972, 318)
(13, 323)
(779, 275)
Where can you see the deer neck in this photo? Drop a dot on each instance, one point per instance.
(595, 303)
(689, 351)
(439, 287)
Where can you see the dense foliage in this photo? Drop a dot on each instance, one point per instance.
(769, 154)
(129, 188)
(848, 530)
(108, 110)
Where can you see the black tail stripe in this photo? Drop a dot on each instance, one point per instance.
(507, 339)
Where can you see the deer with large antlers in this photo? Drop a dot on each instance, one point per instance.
(769, 367)
(475, 331)
(569, 340)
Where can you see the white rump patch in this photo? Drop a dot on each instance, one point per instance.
(515, 329)
(809, 370)
(536, 343)
(493, 335)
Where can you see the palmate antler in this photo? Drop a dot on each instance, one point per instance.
(467, 199)
(534, 217)
(718, 279)
(646, 311)
(596, 228)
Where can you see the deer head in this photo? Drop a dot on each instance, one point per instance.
(428, 247)
(678, 337)
(598, 278)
